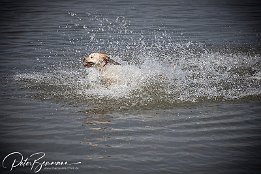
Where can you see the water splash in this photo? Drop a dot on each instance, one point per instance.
(157, 70)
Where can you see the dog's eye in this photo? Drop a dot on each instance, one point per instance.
(91, 57)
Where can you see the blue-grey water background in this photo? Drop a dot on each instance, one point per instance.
(190, 101)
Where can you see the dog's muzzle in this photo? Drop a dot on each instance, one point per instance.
(88, 64)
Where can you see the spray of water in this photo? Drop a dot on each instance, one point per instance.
(157, 69)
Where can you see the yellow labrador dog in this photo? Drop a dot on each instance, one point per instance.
(98, 61)
(109, 69)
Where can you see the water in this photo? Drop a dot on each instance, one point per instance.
(188, 100)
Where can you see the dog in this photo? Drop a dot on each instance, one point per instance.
(98, 61)
(112, 73)
(109, 69)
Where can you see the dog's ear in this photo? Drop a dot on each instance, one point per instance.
(105, 57)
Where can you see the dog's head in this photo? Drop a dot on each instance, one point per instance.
(96, 60)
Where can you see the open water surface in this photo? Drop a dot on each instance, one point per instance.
(188, 102)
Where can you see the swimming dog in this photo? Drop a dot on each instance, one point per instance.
(98, 61)
(108, 68)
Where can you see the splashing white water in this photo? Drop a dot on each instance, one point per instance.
(211, 75)
(156, 70)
